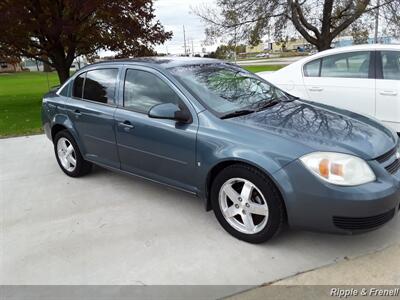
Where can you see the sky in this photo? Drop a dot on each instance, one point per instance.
(173, 14)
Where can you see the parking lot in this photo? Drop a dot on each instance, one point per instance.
(108, 228)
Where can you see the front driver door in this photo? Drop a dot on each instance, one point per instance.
(163, 150)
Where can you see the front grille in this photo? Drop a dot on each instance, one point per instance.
(363, 223)
(393, 167)
(386, 156)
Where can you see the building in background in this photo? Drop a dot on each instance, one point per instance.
(294, 44)
(262, 47)
(7, 67)
(32, 65)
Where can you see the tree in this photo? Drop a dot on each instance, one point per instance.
(391, 16)
(57, 31)
(359, 31)
(227, 51)
(318, 21)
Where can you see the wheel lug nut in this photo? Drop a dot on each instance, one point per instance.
(247, 205)
(240, 199)
(237, 205)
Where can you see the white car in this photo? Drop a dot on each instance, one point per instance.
(266, 55)
(364, 79)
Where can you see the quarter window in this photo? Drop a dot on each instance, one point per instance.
(391, 65)
(143, 90)
(65, 91)
(311, 69)
(100, 85)
(346, 65)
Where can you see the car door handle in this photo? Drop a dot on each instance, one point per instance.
(77, 112)
(315, 89)
(126, 125)
(388, 93)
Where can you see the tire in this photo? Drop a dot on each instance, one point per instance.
(264, 199)
(62, 140)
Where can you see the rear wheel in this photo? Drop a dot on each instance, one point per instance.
(68, 156)
(247, 203)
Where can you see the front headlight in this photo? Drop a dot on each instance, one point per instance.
(339, 168)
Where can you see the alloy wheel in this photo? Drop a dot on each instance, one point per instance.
(66, 154)
(243, 205)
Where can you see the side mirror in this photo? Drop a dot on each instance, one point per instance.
(169, 111)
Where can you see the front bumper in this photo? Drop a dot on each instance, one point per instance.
(317, 205)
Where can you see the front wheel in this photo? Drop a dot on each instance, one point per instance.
(68, 156)
(247, 203)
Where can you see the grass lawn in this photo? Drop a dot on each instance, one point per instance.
(20, 101)
(262, 68)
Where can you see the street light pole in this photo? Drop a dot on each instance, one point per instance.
(184, 39)
(235, 45)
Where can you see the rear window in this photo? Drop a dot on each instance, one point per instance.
(96, 85)
(346, 65)
(100, 85)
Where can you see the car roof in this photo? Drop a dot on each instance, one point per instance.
(163, 62)
(345, 49)
(366, 47)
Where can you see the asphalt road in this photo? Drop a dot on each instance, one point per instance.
(108, 228)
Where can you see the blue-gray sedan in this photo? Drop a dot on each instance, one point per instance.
(258, 156)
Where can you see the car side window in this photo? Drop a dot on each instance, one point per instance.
(143, 90)
(346, 65)
(312, 68)
(100, 85)
(391, 65)
(78, 86)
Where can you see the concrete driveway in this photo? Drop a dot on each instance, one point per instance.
(108, 228)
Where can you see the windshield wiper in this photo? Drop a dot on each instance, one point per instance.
(265, 105)
(238, 113)
(291, 97)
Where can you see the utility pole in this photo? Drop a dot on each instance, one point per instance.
(376, 22)
(234, 50)
(184, 39)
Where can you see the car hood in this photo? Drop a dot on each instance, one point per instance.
(323, 128)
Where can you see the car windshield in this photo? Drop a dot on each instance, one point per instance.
(226, 88)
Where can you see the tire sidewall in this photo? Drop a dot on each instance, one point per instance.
(271, 196)
(78, 171)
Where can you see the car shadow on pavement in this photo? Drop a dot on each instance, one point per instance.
(386, 235)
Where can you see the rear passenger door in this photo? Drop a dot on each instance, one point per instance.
(91, 108)
(388, 88)
(344, 80)
(163, 150)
